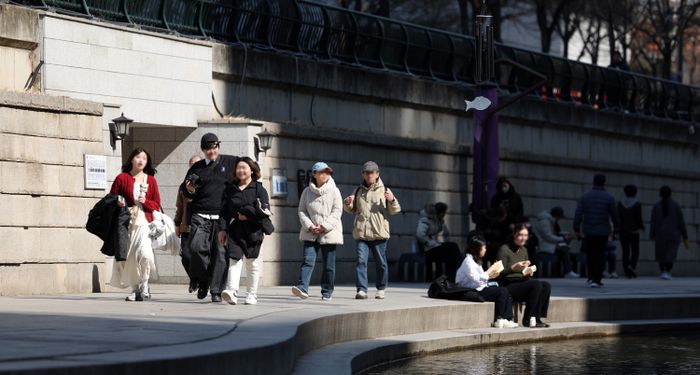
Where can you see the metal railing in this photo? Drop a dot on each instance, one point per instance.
(341, 35)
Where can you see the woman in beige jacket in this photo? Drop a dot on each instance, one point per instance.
(320, 209)
(370, 203)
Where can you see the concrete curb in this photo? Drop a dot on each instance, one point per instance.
(272, 343)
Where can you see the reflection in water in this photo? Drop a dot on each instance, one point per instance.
(638, 355)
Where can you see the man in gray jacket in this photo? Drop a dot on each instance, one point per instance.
(594, 211)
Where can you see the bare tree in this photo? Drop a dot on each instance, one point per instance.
(569, 24)
(661, 32)
(549, 13)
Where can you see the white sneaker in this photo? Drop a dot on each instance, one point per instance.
(606, 274)
(614, 275)
(251, 299)
(510, 324)
(665, 276)
(131, 297)
(299, 293)
(361, 294)
(230, 296)
(326, 298)
(380, 294)
(499, 323)
(571, 275)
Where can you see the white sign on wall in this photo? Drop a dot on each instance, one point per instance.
(279, 184)
(95, 172)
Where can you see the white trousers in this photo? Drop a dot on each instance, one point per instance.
(252, 266)
(139, 265)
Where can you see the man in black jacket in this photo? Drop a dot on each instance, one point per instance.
(204, 184)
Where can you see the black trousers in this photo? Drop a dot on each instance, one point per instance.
(447, 253)
(504, 303)
(208, 262)
(186, 253)
(596, 247)
(630, 249)
(535, 293)
(665, 266)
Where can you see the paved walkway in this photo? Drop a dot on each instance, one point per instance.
(48, 331)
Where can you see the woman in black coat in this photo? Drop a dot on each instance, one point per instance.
(244, 221)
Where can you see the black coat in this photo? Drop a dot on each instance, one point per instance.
(110, 223)
(245, 237)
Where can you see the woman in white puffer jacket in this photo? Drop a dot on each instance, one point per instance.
(320, 209)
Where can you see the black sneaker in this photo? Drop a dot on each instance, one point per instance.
(193, 286)
(202, 293)
(215, 297)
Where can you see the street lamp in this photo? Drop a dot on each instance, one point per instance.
(263, 142)
(119, 127)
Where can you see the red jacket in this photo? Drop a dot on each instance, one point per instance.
(124, 185)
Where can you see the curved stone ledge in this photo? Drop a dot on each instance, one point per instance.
(284, 334)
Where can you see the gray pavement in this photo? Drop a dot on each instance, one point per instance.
(58, 331)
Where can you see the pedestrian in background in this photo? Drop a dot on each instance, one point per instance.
(320, 209)
(594, 212)
(182, 227)
(666, 230)
(370, 203)
(631, 226)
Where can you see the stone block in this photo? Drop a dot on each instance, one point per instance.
(81, 127)
(46, 150)
(31, 279)
(46, 211)
(49, 245)
(19, 27)
(42, 179)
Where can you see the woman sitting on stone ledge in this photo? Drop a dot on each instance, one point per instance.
(471, 275)
(517, 277)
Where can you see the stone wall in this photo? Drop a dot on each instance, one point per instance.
(44, 247)
(417, 130)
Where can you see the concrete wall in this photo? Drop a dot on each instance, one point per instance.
(44, 247)
(157, 79)
(18, 41)
(417, 131)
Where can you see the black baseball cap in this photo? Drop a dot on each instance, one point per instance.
(209, 140)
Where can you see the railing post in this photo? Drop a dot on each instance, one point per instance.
(163, 7)
(429, 53)
(200, 18)
(405, 49)
(325, 36)
(87, 9)
(353, 38)
(380, 47)
(125, 10)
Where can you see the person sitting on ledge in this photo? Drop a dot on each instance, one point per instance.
(552, 241)
(471, 275)
(430, 226)
(517, 277)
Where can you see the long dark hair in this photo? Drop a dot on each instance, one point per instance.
(148, 169)
(253, 167)
(474, 244)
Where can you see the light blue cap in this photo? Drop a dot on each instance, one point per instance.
(321, 167)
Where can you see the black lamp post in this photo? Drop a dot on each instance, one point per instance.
(119, 127)
(263, 142)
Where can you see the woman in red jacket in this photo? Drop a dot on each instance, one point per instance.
(139, 190)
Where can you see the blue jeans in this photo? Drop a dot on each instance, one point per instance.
(307, 267)
(379, 253)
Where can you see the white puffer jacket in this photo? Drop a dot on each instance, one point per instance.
(321, 206)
